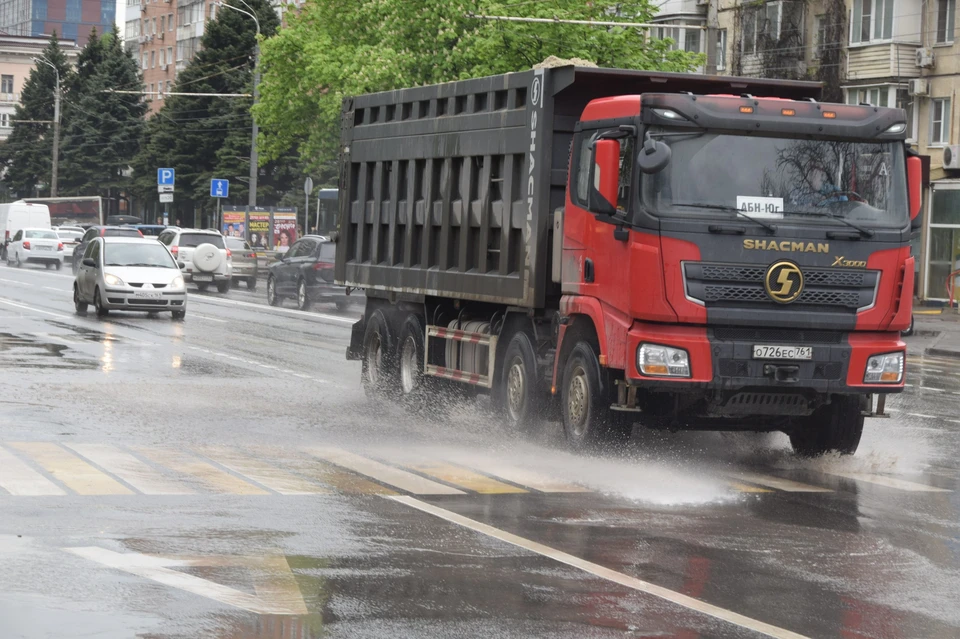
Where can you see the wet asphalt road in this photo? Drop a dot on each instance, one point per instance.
(225, 477)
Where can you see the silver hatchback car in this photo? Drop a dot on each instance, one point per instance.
(130, 274)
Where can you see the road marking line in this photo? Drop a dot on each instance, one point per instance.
(155, 568)
(519, 476)
(130, 469)
(922, 415)
(787, 485)
(274, 309)
(744, 488)
(17, 478)
(889, 482)
(261, 472)
(8, 302)
(600, 571)
(389, 475)
(208, 318)
(463, 477)
(78, 475)
(213, 477)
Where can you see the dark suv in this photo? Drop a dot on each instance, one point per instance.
(99, 231)
(305, 272)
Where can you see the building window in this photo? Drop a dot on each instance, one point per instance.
(874, 96)
(163, 56)
(940, 121)
(4, 120)
(770, 22)
(153, 59)
(150, 91)
(159, 90)
(721, 49)
(169, 84)
(169, 22)
(146, 60)
(163, 23)
(946, 11)
(819, 34)
(6, 84)
(169, 55)
(872, 20)
(683, 39)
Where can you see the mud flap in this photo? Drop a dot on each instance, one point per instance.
(355, 349)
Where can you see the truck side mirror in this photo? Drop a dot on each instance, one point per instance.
(606, 177)
(914, 188)
(654, 156)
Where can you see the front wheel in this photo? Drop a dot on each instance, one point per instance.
(78, 303)
(98, 304)
(586, 395)
(179, 315)
(834, 427)
(272, 298)
(303, 300)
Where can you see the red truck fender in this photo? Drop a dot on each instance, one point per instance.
(585, 317)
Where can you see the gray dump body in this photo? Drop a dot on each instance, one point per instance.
(448, 190)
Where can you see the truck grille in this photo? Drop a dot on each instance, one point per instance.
(738, 284)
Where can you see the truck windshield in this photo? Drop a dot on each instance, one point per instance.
(798, 181)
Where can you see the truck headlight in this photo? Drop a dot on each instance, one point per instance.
(663, 361)
(884, 369)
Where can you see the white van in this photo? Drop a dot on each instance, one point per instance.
(20, 215)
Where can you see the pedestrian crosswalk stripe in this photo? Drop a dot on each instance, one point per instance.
(380, 472)
(745, 488)
(130, 469)
(786, 485)
(340, 480)
(208, 474)
(263, 473)
(463, 477)
(17, 478)
(889, 482)
(518, 475)
(76, 474)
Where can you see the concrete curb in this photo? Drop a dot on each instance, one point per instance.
(940, 352)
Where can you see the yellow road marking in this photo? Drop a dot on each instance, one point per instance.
(76, 474)
(744, 488)
(787, 485)
(464, 477)
(517, 475)
(17, 478)
(263, 473)
(389, 475)
(208, 474)
(889, 482)
(130, 469)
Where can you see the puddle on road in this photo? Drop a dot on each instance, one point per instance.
(27, 351)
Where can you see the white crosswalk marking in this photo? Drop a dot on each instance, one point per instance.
(889, 482)
(518, 475)
(381, 472)
(263, 473)
(130, 469)
(17, 478)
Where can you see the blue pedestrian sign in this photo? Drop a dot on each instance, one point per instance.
(219, 188)
(165, 177)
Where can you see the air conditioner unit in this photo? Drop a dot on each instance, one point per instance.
(951, 156)
(919, 87)
(143, 7)
(163, 67)
(925, 58)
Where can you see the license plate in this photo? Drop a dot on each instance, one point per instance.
(147, 295)
(764, 351)
(41, 247)
(203, 278)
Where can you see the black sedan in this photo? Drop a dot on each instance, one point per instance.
(305, 272)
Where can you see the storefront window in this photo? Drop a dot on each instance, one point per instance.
(943, 243)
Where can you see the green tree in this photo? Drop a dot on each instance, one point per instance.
(204, 137)
(103, 128)
(332, 49)
(27, 155)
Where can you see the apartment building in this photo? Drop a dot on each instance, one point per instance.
(71, 19)
(16, 62)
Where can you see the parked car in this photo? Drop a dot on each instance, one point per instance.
(129, 274)
(205, 256)
(21, 215)
(99, 231)
(35, 246)
(245, 265)
(149, 230)
(70, 236)
(305, 272)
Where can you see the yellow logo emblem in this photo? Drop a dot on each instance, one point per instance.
(783, 282)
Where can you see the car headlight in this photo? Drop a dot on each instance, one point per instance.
(177, 282)
(112, 280)
(884, 369)
(663, 361)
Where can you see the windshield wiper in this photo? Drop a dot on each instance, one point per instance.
(865, 232)
(724, 207)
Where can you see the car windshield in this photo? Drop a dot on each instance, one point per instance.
(147, 254)
(196, 239)
(69, 235)
(800, 181)
(122, 233)
(41, 235)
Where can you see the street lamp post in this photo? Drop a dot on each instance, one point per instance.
(56, 126)
(254, 169)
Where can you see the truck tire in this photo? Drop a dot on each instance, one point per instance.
(379, 371)
(586, 396)
(410, 354)
(834, 427)
(519, 393)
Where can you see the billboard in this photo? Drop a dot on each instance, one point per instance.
(234, 224)
(284, 230)
(258, 231)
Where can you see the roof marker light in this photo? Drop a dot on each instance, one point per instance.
(746, 109)
(788, 112)
(830, 115)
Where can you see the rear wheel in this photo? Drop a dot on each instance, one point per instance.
(379, 373)
(251, 283)
(411, 356)
(586, 395)
(272, 298)
(18, 262)
(834, 427)
(303, 300)
(58, 265)
(98, 304)
(223, 286)
(519, 393)
(78, 303)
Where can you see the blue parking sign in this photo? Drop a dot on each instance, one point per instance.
(219, 188)
(165, 177)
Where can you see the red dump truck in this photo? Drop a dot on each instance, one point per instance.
(613, 247)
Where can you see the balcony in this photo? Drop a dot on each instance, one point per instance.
(882, 60)
(9, 98)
